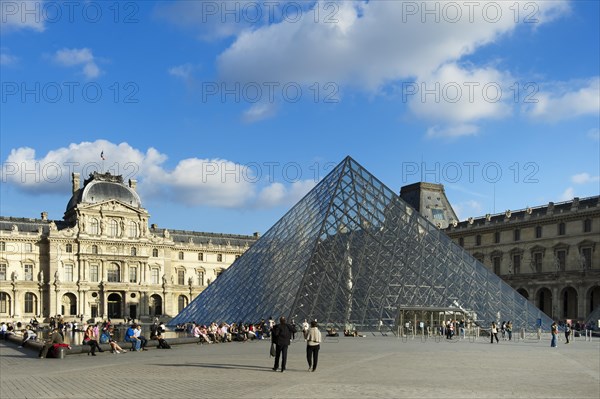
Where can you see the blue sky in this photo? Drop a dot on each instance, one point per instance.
(227, 113)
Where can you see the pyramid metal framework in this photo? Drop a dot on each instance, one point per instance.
(353, 252)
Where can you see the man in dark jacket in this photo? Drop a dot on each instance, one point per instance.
(281, 335)
(55, 338)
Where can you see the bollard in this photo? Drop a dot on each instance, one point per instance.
(60, 352)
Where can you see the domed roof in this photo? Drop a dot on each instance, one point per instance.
(104, 187)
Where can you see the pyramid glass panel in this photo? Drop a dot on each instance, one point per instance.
(352, 252)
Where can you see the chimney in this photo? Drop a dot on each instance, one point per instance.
(132, 184)
(75, 182)
(44, 216)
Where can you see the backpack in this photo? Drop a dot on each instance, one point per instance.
(104, 338)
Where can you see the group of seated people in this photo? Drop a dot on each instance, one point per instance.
(224, 332)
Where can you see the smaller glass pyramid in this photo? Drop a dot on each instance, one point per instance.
(352, 252)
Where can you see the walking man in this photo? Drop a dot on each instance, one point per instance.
(281, 336)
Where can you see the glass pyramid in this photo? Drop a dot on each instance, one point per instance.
(353, 252)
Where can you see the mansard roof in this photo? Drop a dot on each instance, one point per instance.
(100, 187)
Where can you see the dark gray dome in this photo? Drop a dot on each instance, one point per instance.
(98, 190)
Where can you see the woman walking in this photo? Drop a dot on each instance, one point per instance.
(494, 333)
(313, 344)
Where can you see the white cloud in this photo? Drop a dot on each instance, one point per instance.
(594, 134)
(7, 59)
(79, 57)
(22, 14)
(584, 178)
(258, 112)
(567, 100)
(192, 181)
(465, 209)
(371, 44)
(452, 131)
(183, 71)
(568, 194)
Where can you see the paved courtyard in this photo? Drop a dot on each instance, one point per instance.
(371, 367)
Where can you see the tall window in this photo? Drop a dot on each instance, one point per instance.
(133, 251)
(517, 234)
(218, 272)
(30, 303)
(154, 276)
(219, 257)
(132, 229)
(133, 274)
(182, 302)
(516, 264)
(28, 247)
(28, 272)
(538, 231)
(200, 256)
(181, 277)
(4, 302)
(95, 249)
(561, 260)
(497, 237)
(2, 271)
(586, 258)
(461, 241)
(562, 229)
(155, 253)
(496, 263)
(478, 239)
(180, 255)
(94, 227)
(537, 262)
(94, 273)
(69, 248)
(113, 273)
(2, 246)
(200, 278)
(113, 228)
(587, 225)
(68, 272)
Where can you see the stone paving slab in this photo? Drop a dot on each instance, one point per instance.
(371, 367)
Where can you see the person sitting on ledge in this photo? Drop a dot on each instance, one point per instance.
(28, 334)
(332, 332)
(54, 339)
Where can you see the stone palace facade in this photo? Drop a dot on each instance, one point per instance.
(104, 260)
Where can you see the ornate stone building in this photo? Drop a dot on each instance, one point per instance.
(103, 260)
(549, 253)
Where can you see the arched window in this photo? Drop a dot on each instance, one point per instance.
(95, 249)
(181, 277)
(155, 253)
(155, 308)
(132, 229)
(113, 228)
(113, 273)
(69, 248)
(133, 251)
(94, 227)
(30, 303)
